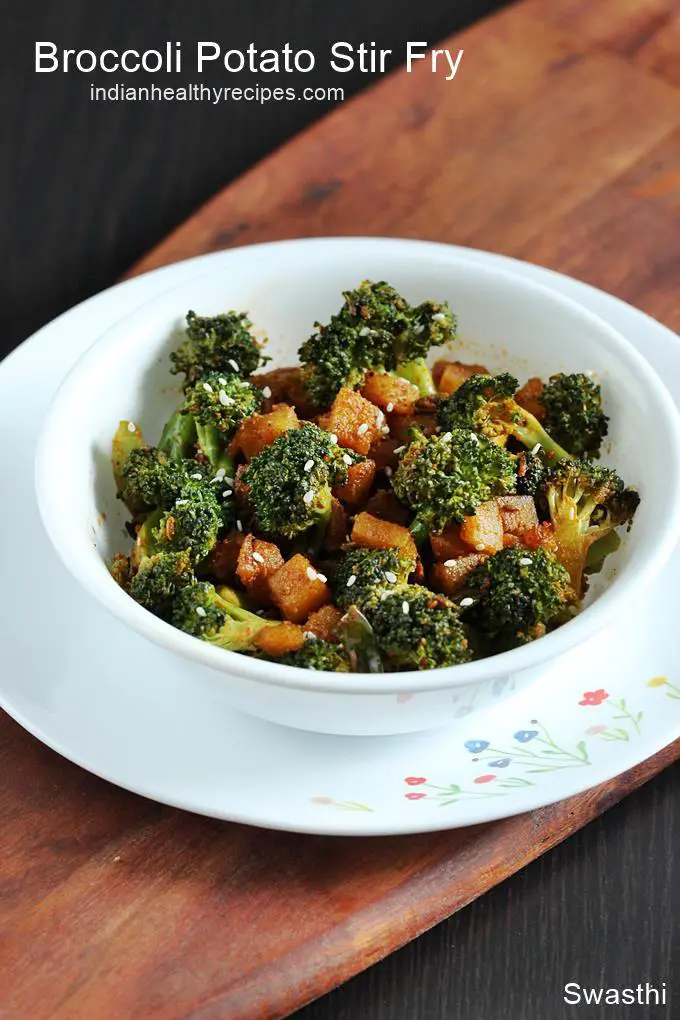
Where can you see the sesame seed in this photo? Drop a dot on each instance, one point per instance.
(572, 513)
(228, 481)
(309, 635)
(311, 573)
(234, 364)
(481, 547)
(132, 427)
(400, 449)
(380, 418)
(227, 493)
(383, 595)
(390, 407)
(446, 438)
(239, 526)
(419, 329)
(390, 576)
(347, 459)
(474, 437)
(363, 429)
(526, 561)
(464, 603)
(322, 577)
(200, 611)
(351, 580)
(207, 387)
(449, 563)
(225, 400)
(308, 496)
(309, 465)
(222, 381)
(365, 331)
(348, 538)
(536, 448)
(181, 502)
(439, 317)
(267, 392)
(220, 473)
(388, 471)
(405, 608)
(197, 477)
(258, 557)
(333, 437)
(385, 430)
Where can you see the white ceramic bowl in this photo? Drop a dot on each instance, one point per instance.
(505, 322)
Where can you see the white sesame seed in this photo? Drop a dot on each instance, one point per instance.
(181, 502)
(363, 429)
(405, 608)
(385, 430)
(384, 595)
(225, 400)
(351, 580)
(309, 465)
(536, 448)
(390, 576)
(207, 387)
(572, 513)
(227, 493)
(439, 317)
(388, 471)
(311, 573)
(474, 437)
(267, 392)
(239, 526)
(309, 635)
(446, 438)
(220, 473)
(348, 538)
(197, 477)
(526, 561)
(379, 418)
(449, 563)
(132, 427)
(322, 577)
(365, 331)
(419, 329)
(309, 496)
(347, 459)
(234, 364)
(258, 557)
(333, 437)
(481, 547)
(464, 603)
(222, 381)
(400, 449)
(200, 611)
(390, 407)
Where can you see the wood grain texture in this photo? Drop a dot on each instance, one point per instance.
(559, 143)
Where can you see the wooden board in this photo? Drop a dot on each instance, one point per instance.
(559, 142)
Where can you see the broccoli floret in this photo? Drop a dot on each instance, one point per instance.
(363, 574)
(375, 329)
(359, 643)
(532, 473)
(486, 404)
(289, 483)
(159, 578)
(575, 417)
(517, 595)
(444, 478)
(149, 479)
(586, 503)
(418, 629)
(218, 405)
(319, 655)
(219, 343)
(192, 522)
(201, 611)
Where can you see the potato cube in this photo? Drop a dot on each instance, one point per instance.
(529, 397)
(355, 421)
(390, 392)
(449, 375)
(360, 478)
(280, 640)
(518, 514)
(324, 623)
(376, 534)
(483, 532)
(401, 425)
(448, 544)
(257, 561)
(385, 505)
(262, 429)
(297, 589)
(449, 578)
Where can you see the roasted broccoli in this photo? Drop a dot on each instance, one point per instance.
(200, 610)
(218, 404)
(289, 483)
(518, 594)
(363, 574)
(532, 473)
(486, 404)
(149, 479)
(319, 655)
(376, 329)
(219, 343)
(586, 503)
(192, 522)
(418, 629)
(178, 438)
(444, 478)
(574, 413)
(159, 578)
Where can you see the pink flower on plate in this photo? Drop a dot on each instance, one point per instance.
(415, 780)
(592, 731)
(489, 777)
(594, 697)
(415, 796)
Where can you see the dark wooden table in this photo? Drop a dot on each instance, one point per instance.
(86, 190)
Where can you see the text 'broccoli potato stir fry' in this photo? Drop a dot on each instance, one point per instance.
(363, 512)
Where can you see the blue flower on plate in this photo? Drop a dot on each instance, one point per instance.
(524, 736)
(500, 763)
(476, 746)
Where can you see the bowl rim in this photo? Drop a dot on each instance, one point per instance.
(87, 566)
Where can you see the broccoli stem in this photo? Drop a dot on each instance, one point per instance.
(322, 518)
(239, 631)
(359, 641)
(124, 442)
(145, 544)
(420, 529)
(211, 442)
(532, 432)
(418, 373)
(178, 436)
(600, 549)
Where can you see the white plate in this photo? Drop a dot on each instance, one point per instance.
(110, 701)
